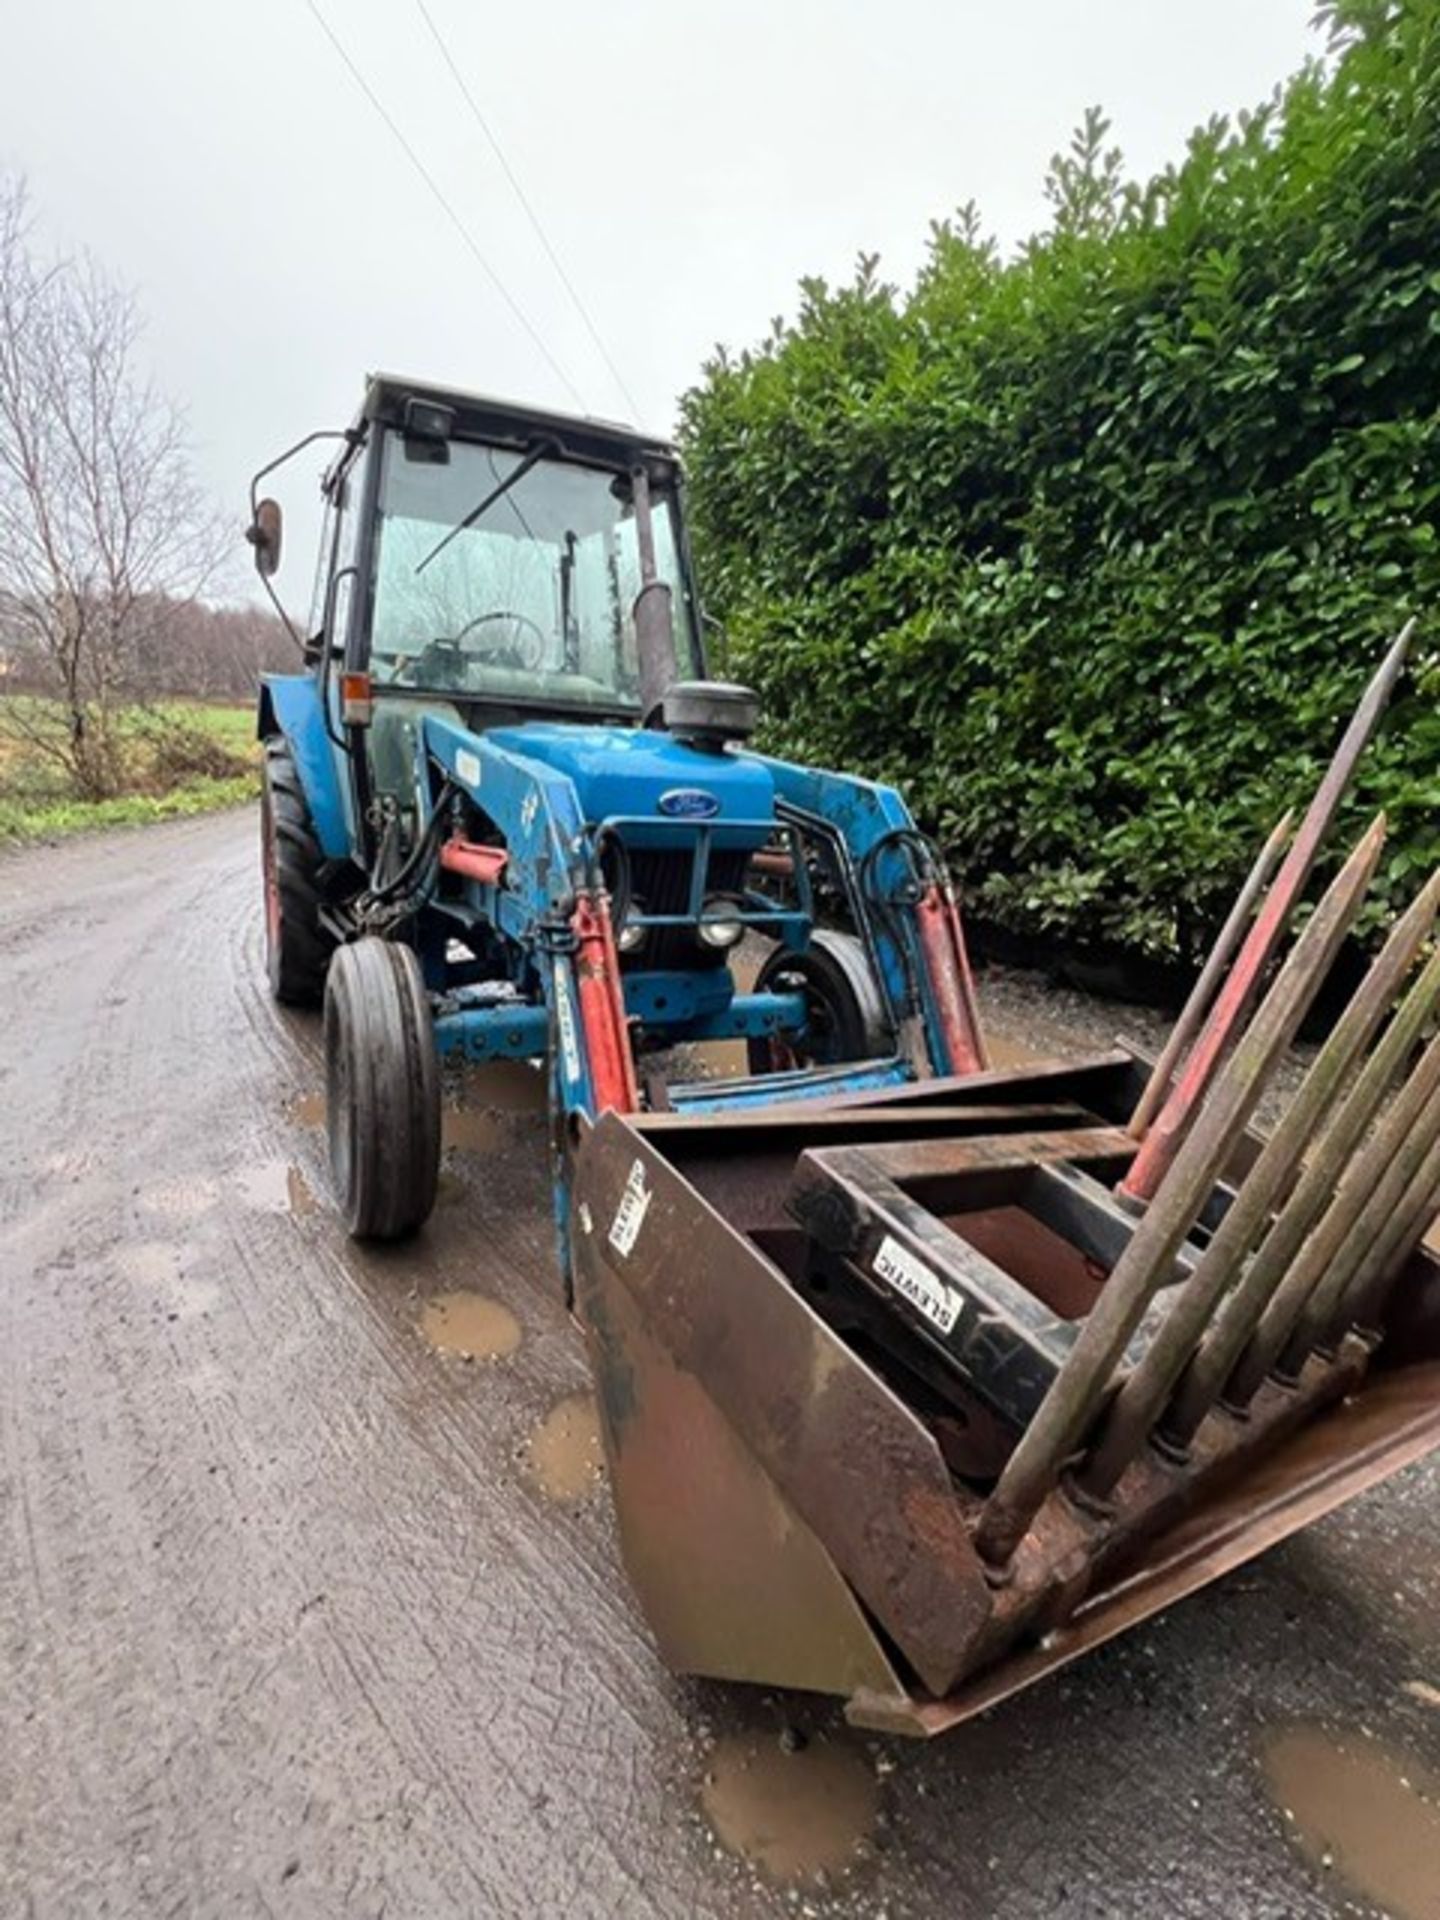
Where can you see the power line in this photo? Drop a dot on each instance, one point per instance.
(530, 213)
(459, 225)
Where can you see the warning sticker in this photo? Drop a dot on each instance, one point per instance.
(630, 1214)
(467, 765)
(900, 1269)
(565, 1018)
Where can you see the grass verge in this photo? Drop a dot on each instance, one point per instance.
(181, 757)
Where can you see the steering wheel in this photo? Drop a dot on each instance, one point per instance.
(529, 649)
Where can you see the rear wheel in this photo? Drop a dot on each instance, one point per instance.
(382, 1090)
(297, 947)
(845, 1016)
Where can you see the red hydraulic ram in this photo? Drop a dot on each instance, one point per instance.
(942, 940)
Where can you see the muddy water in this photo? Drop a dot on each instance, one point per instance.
(1369, 1815)
(470, 1325)
(277, 1187)
(306, 1110)
(794, 1815)
(564, 1456)
(472, 1130)
(514, 1085)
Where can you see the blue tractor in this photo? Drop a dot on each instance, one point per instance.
(507, 815)
(883, 1363)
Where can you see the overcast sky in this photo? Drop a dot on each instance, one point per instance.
(688, 165)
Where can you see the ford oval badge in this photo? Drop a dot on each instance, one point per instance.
(689, 803)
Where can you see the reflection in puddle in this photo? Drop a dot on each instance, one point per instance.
(470, 1130)
(793, 1814)
(565, 1458)
(516, 1085)
(277, 1187)
(1368, 1815)
(306, 1110)
(470, 1325)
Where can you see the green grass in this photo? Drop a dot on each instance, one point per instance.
(37, 804)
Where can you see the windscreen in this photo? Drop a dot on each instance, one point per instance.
(531, 601)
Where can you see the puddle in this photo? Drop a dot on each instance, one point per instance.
(514, 1085)
(470, 1130)
(470, 1325)
(306, 1110)
(565, 1457)
(276, 1187)
(1367, 1815)
(794, 1815)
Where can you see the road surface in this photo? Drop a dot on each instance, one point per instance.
(294, 1619)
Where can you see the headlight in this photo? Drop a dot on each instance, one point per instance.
(631, 937)
(720, 922)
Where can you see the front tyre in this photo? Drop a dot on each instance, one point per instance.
(382, 1090)
(845, 1017)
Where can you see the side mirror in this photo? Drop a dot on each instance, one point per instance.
(264, 535)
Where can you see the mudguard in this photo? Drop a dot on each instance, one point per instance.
(290, 705)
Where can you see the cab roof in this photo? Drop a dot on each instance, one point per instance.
(482, 416)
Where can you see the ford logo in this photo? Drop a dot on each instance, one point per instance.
(689, 803)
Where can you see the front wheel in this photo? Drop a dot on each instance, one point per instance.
(382, 1090)
(844, 1014)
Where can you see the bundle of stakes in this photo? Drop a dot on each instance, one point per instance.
(1315, 1235)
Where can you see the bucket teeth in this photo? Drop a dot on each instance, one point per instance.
(1073, 1401)
(1140, 1400)
(1206, 1375)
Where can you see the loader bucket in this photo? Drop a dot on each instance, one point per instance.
(820, 1335)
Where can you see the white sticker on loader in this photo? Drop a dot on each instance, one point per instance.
(565, 1019)
(467, 765)
(630, 1214)
(899, 1268)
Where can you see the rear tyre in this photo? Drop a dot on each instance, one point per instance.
(845, 1016)
(297, 947)
(382, 1090)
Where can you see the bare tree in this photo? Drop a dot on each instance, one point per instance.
(104, 532)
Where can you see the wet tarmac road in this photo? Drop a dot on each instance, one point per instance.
(303, 1612)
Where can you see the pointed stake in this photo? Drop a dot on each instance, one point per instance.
(1135, 1408)
(1237, 995)
(1204, 1379)
(1203, 991)
(1075, 1396)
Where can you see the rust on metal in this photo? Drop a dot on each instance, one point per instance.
(1237, 995)
(1074, 1400)
(1203, 992)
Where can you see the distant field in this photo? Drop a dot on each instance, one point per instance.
(182, 756)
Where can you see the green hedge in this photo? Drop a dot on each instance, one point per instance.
(1093, 549)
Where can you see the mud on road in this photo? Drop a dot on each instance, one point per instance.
(309, 1597)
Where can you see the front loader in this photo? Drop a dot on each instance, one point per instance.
(916, 1378)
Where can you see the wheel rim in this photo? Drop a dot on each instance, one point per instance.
(823, 1044)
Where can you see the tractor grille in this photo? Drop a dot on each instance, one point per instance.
(661, 878)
